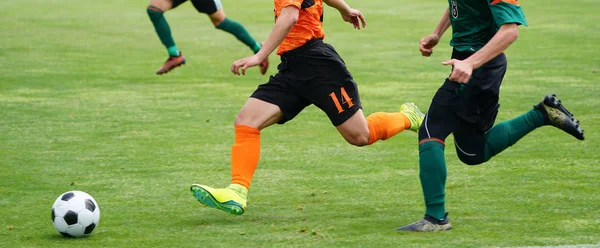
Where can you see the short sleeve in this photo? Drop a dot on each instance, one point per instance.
(284, 3)
(507, 11)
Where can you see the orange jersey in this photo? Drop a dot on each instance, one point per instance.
(309, 25)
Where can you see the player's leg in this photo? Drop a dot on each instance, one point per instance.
(271, 103)
(331, 88)
(214, 10)
(220, 21)
(475, 146)
(479, 144)
(156, 11)
(440, 120)
(454, 108)
(245, 153)
(360, 131)
(480, 108)
(505, 134)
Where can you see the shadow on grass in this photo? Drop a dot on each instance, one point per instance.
(209, 217)
(60, 238)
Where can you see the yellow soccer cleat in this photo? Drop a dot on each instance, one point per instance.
(414, 115)
(231, 199)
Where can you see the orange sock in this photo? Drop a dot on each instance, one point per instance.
(245, 154)
(383, 126)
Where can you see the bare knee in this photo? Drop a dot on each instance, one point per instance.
(217, 17)
(160, 5)
(358, 139)
(217, 21)
(241, 119)
(258, 114)
(355, 130)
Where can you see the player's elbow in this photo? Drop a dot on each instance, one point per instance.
(513, 34)
(290, 15)
(291, 21)
(510, 32)
(293, 17)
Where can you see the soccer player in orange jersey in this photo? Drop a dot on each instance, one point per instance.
(310, 72)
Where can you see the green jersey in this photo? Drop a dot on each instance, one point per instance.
(474, 22)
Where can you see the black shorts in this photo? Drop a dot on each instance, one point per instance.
(312, 74)
(203, 6)
(467, 110)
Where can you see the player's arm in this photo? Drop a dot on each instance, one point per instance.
(462, 70)
(427, 43)
(507, 34)
(348, 14)
(509, 16)
(443, 25)
(285, 21)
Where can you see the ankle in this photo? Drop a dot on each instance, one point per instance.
(437, 221)
(239, 189)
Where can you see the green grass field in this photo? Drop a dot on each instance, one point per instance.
(81, 109)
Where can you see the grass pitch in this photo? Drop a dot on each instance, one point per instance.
(81, 109)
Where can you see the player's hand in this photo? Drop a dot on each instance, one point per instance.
(355, 17)
(427, 43)
(461, 71)
(244, 64)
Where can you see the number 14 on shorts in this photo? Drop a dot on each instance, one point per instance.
(346, 100)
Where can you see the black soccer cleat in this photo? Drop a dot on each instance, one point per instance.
(428, 224)
(557, 115)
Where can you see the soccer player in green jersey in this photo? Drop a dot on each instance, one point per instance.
(214, 10)
(467, 102)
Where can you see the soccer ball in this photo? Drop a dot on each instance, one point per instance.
(75, 214)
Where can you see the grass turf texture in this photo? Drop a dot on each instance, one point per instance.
(81, 109)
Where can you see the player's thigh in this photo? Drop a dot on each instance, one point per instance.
(469, 141)
(326, 82)
(484, 86)
(164, 5)
(208, 7)
(280, 91)
(339, 101)
(441, 118)
(479, 101)
(489, 76)
(258, 114)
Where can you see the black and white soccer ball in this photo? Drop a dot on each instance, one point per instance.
(75, 214)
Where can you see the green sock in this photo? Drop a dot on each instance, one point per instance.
(173, 51)
(240, 33)
(507, 133)
(432, 167)
(163, 30)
